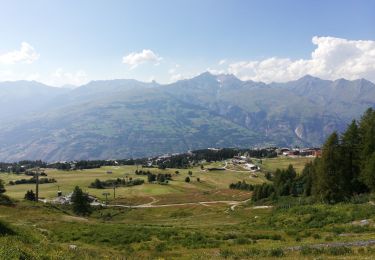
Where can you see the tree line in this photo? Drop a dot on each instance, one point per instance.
(98, 184)
(345, 169)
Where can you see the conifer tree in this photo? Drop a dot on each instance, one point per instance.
(350, 161)
(327, 185)
(368, 173)
(80, 201)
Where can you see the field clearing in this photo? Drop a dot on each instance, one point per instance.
(271, 164)
(175, 190)
(213, 185)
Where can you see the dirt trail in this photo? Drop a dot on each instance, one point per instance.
(232, 203)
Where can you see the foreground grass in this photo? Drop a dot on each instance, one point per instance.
(186, 232)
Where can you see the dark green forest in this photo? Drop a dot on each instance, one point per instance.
(346, 168)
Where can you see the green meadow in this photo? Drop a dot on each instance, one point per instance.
(292, 229)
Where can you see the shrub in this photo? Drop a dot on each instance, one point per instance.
(252, 252)
(30, 195)
(276, 252)
(161, 247)
(305, 250)
(5, 229)
(226, 253)
(340, 250)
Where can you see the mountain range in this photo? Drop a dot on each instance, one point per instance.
(111, 119)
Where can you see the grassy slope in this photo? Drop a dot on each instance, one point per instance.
(182, 232)
(187, 232)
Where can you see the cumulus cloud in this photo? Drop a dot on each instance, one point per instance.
(60, 77)
(136, 58)
(10, 75)
(332, 58)
(26, 54)
(222, 62)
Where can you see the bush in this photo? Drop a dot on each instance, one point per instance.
(5, 200)
(30, 195)
(252, 252)
(226, 253)
(187, 179)
(161, 247)
(5, 229)
(340, 250)
(305, 250)
(2, 189)
(276, 252)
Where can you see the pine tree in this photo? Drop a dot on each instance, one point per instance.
(80, 201)
(367, 135)
(327, 185)
(351, 142)
(307, 176)
(368, 173)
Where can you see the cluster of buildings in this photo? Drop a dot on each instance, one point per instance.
(245, 162)
(294, 152)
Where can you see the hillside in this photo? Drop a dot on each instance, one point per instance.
(127, 118)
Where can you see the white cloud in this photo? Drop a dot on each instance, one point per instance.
(332, 58)
(216, 71)
(10, 75)
(136, 58)
(26, 54)
(60, 77)
(222, 62)
(176, 77)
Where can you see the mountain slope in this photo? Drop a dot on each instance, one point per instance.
(127, 118)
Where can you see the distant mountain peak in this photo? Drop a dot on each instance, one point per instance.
(227, 77)
(309, 77)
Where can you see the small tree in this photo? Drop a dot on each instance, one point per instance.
(30, 195)
(190, 173)
(2, 188)
(187, 179)
(176, 172)
(80, 201)
(198, 179)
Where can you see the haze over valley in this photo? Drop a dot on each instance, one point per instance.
(114, 119)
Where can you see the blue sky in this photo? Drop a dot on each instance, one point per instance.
(77, 41)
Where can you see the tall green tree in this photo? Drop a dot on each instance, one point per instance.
(306, 178)
(80, 201)
(327, 184)
(368, 172)
(351, 160)
(284, 181)
(367, 135)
